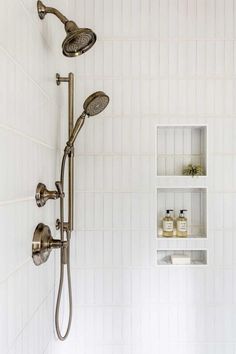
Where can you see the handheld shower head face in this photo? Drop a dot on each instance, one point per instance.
(93, 105)
(78, 40)
(96, 103)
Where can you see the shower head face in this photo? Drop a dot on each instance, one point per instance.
(78, 42)
(96, 103)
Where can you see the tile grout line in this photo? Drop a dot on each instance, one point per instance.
(15, 270)
(20, 133)
(14, 201)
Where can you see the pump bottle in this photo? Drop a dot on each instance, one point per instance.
(168, 224)
(182, 225)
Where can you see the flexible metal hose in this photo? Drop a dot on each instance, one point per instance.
(59, 334)
(65, 258)
(62, 263)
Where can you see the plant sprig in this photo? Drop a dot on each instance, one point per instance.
(193, 170)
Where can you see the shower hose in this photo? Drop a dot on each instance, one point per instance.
(65, 252)
(64, 261)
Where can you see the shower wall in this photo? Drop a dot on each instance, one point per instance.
(161, 62)
(31, 105)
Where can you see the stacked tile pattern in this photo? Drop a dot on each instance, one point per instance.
(161, 62)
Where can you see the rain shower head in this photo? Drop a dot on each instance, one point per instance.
(93, 105)
(78, 40)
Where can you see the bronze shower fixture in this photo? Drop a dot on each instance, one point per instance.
(78, 40)
(43, 242)
(42, 194)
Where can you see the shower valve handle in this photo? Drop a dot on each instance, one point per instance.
(42, 195)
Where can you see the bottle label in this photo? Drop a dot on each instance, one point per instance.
(182, 226)
(168, 225)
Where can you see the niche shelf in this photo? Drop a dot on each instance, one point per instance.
(180, 145)
(193, 199)
(198, 257)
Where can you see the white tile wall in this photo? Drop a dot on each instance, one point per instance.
(161, 62)
(31, 105)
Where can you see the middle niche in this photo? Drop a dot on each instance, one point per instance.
(192, 199)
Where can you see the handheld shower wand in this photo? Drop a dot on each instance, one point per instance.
(93, 105)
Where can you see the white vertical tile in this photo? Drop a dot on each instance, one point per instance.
(160, 61)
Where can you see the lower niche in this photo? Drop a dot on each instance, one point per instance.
(182, 257)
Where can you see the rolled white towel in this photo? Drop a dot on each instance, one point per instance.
(180, 259)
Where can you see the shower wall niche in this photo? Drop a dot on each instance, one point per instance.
(192, 199)
(198, 257)
(180, 145)
(177, 146)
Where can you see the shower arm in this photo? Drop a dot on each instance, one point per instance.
(43, 10)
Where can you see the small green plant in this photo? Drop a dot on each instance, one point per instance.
(193, 170)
